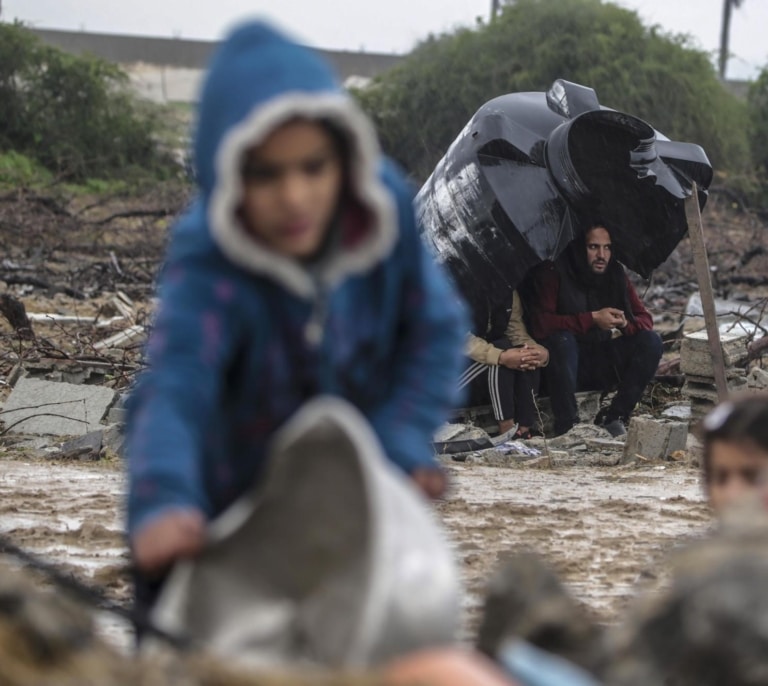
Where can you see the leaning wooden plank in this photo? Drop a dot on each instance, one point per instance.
(72, 319)
(122, 338)
(701, 263)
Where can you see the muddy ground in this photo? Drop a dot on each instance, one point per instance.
(606, 530)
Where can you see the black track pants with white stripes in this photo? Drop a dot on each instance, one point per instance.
(509, 391)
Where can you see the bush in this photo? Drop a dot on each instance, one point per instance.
(757, 105)
(19, 170)
(73, 114)
(757, 101)
(421, 105)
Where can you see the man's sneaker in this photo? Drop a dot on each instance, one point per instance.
(615, 427)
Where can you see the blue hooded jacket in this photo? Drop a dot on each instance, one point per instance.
(244, 336)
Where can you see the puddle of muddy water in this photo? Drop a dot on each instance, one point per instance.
(603, 529)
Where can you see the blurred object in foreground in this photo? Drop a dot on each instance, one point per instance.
(335, 561)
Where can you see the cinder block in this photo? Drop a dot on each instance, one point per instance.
(654, 439)
(696, 358)
(698, 389)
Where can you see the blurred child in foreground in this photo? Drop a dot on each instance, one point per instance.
(735, 435)
(297, 271)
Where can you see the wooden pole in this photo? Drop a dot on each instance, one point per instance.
(701, 263)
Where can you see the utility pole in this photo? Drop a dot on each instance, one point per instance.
(725, 35)
(494, 8)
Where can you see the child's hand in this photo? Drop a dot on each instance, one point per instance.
(431, 480)
(444, 667)
(172, 535)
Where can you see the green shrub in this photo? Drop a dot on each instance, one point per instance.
(421, 105)
(73, 114)
(19, 170)
(757, 102)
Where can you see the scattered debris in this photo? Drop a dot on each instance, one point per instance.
(121, 339)
(86, 447)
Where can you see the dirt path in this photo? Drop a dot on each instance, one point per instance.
(603, 529)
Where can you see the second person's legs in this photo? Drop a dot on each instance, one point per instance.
(562, 374)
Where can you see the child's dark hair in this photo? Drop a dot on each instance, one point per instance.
(742, 419)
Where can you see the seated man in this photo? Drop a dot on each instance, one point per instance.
(588, 315)
(505, 367)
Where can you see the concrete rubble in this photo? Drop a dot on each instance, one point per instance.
(61, 409)
(54, 408)
(585, 444)
(696, 363)
(696, 358)
(653, 439)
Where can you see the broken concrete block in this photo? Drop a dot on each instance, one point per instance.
(654, 439)
(61, 409)
(540, 462)
(85, 447)
(757, 378)
(453, 432)
(576, 439)
(114, 438)
(67, 371)
(696, 358)
(678, 412)
(701, 388)
(117, 415)
(606, 444)
(588, 404)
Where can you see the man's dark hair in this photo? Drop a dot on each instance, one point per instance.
(595, 223)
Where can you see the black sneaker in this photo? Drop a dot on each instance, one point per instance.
(615, 427)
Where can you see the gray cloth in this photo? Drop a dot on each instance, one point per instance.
(335, 561)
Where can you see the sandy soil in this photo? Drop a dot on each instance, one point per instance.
(604, 529)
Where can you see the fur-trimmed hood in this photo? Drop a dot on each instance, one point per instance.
(258, 80)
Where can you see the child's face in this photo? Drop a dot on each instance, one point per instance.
(735, 467)
(292, 183)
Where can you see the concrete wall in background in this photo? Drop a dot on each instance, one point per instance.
(165, 84)
(170, 69)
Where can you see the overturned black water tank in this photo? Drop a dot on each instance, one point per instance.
(530, 170)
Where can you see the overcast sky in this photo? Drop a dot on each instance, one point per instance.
(375, 25)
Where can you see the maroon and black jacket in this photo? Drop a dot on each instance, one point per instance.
(564, 302)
